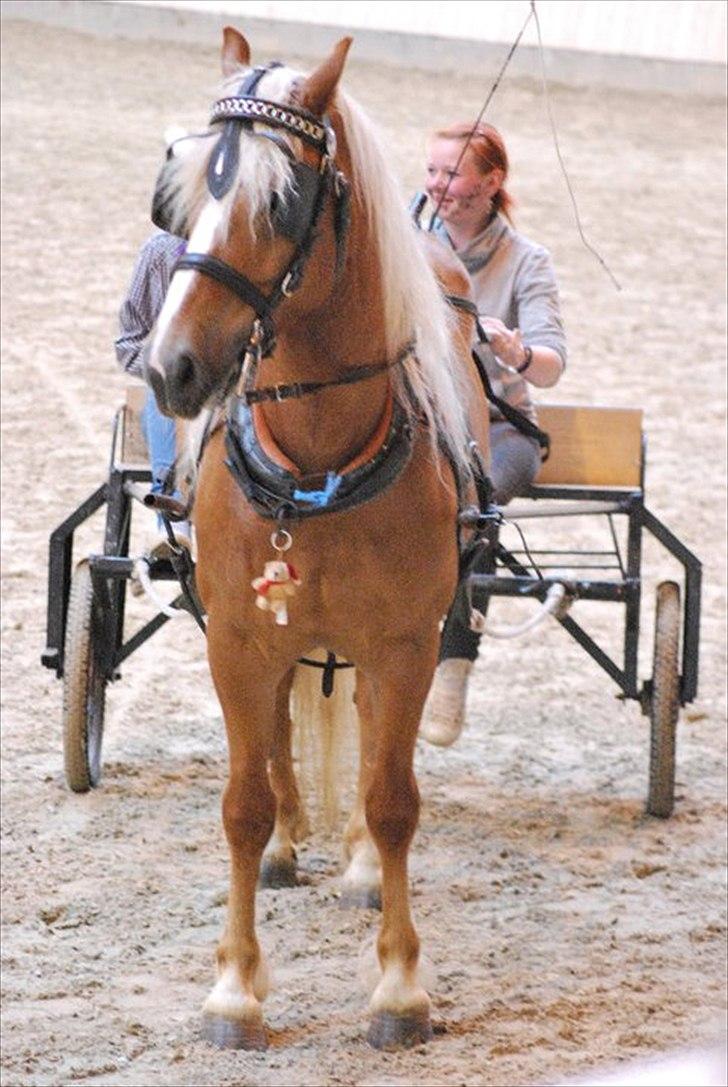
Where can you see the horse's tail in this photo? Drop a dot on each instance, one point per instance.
(326, 737)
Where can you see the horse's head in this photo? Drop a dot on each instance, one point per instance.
(262, 204)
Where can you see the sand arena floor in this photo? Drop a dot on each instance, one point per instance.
(565, 929)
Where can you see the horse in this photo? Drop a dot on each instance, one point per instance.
(308, 319)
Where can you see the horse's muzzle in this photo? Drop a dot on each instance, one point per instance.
(182, 389)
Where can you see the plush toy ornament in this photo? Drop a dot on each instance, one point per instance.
(278, 583)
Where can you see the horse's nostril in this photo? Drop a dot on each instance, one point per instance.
(184, 370)
(156, 381)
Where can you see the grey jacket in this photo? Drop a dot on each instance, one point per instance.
(513, 279)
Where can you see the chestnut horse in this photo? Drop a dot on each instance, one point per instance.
(349, 438)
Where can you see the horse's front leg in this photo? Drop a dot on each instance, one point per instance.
(232, 1012)
(400, 1007)
(279, 859)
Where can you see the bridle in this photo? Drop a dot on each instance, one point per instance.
(298, 222)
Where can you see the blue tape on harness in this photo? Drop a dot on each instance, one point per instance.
(320, 499)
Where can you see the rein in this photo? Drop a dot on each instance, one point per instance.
(515, 418)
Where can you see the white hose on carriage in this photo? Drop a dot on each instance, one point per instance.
(141, 572)
(555, 603)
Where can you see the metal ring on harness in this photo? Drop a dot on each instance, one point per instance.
(281, 540)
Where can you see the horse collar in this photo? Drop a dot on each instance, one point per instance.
(275, 487)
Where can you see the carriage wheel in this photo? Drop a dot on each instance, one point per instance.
(664, 700)
(84, 687)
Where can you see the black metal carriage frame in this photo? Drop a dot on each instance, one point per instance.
(109, 570)
(528, 579)
(515, 573)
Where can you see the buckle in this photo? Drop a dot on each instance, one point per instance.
(286, 288)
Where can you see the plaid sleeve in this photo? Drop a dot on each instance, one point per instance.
(146, 294)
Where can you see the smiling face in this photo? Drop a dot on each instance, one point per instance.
(468, 196)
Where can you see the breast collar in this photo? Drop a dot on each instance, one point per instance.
(278, 490)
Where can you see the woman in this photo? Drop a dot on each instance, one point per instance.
(515, 290)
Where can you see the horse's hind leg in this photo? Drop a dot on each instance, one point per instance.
(400, 1007)
(362, 880)
(278, 868)
(233, 1015)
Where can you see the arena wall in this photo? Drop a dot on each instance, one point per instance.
(676, 46)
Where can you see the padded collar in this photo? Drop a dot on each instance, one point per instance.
(275, 487)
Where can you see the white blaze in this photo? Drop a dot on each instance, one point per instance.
(200, 241)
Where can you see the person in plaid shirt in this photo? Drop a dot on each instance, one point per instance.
(148, 288)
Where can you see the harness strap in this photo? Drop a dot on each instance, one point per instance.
(515, 417)
(297, 389)
(234, 281)
(184, 568)
(222, 168)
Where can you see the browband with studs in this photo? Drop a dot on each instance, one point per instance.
(297, 121)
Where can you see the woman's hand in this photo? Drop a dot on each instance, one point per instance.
(505, 343)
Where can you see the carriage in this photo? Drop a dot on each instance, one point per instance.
(354, 412)
(596, 470)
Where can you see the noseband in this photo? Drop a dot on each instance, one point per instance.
(297, 221)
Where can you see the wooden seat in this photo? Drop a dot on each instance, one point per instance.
(133, 445)
(591, 447)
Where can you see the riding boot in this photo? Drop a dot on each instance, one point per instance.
(444, 713)
(443, 717)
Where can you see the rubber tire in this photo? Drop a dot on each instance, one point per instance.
(84, 688)
(664, 701)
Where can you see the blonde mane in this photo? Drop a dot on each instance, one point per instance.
(414, 302)
(415, 307)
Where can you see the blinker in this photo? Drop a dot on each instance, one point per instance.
(294, 212)
(290, 217)
(163, 200)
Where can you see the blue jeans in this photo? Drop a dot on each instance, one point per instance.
(514, 463)
(161, 438)
(160, 434)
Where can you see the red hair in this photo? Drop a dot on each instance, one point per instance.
(489, 153)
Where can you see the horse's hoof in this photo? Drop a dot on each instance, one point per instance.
(233, 1033)
(361, 898)
(275, 873)
(389, 1031)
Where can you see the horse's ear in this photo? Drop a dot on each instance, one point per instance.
(235, 51)
(319, 88)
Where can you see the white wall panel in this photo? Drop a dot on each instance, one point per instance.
(693, 30)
